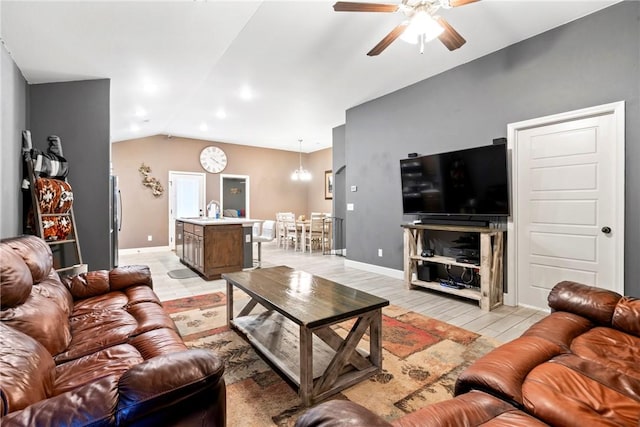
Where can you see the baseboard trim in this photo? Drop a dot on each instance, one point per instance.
(371, 268)
(131, 251)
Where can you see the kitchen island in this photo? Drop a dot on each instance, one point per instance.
(214, 246)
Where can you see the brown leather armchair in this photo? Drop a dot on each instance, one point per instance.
(577, 366)
(97, 349)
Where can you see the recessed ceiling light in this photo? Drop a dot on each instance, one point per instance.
(134, 127)
(203, 127)
(141, 112)
(246, 93)
(149, 86)
(221, 114)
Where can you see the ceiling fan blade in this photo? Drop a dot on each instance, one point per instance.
(450, 37)
(347, 6)
(456, 3)
(389, 38)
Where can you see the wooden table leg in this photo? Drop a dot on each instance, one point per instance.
(229, 303)
(375, 339)
(306, 366)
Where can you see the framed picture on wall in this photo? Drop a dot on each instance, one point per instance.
(328, 185)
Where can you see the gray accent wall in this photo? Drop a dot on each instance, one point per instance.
(78, 112)
(13, 94)
(339, 187)
(591, 61)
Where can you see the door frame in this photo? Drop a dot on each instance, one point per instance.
(172, 200)
(618, 111)
(247, 194)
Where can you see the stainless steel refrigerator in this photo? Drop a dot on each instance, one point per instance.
(115, 215)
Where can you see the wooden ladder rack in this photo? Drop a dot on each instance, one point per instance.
(58, 247)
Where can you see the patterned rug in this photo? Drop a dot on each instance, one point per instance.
(422, 357)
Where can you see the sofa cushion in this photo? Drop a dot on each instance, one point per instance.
(42, 319)
(89, 284)
(52, 288)
(502, 371)
(15, 276)
(114, 361)
(130, 275)
(158, 342)
(108, 301)
(626, 316)
(470, 409)
(91, 405)
(560, 328)
(97, 331)
(26, 368)
(559, 395)
(35, 252)
(612, 348)
(588, 301)
(141, 293)
(150, 316)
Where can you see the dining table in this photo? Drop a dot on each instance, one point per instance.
(302, 226)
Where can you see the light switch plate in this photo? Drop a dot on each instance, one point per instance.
(349, 206)
(354, 188)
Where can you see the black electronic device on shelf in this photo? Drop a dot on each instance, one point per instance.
(469, 186)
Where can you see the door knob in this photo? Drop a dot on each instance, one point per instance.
(606, 230)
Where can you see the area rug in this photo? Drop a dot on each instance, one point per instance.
(422, 357)
(182, 273)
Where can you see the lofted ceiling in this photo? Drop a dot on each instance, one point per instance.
(262, 73)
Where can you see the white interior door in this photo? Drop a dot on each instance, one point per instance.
(186, 198)
(569, 203)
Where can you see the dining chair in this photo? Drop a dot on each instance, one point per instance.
(327, 234)
(291, 234)
(281, 231)
(267, 234)
(313, 237)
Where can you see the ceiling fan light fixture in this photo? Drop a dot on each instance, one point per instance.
(421, 28)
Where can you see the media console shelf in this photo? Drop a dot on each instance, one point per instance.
(489, 295)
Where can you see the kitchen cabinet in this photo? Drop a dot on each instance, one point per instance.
(211, 248)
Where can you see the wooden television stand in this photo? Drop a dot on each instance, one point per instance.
(489, 295)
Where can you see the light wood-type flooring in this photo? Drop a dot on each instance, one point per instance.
(504, 323)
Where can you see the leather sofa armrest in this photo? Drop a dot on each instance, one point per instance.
(171, 385)
(92, 404)
(595, 304)
(502, 371)
(100, 282)
(340, 413)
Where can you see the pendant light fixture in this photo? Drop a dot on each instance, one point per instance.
(301, 174)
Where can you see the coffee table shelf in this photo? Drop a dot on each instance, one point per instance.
(289, 322)
(277, 339)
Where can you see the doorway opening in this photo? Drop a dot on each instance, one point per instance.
(234, 196)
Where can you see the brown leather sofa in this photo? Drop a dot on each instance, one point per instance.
(579, 366)
(96, 349)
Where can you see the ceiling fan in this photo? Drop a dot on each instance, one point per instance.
(421, 25)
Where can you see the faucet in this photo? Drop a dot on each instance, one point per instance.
(210, 205)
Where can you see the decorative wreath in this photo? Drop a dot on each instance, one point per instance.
(148, 181)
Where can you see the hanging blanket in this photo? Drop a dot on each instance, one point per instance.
(54, 197)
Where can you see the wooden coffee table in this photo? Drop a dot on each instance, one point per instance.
(292, 330)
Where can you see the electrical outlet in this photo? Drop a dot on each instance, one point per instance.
(350, 206)
(354, 188)
(149, 237)
(380, 253)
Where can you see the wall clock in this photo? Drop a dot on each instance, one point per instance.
(213, 159)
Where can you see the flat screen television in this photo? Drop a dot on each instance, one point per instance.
(470, 183)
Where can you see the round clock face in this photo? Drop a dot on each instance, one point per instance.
(213, 159)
